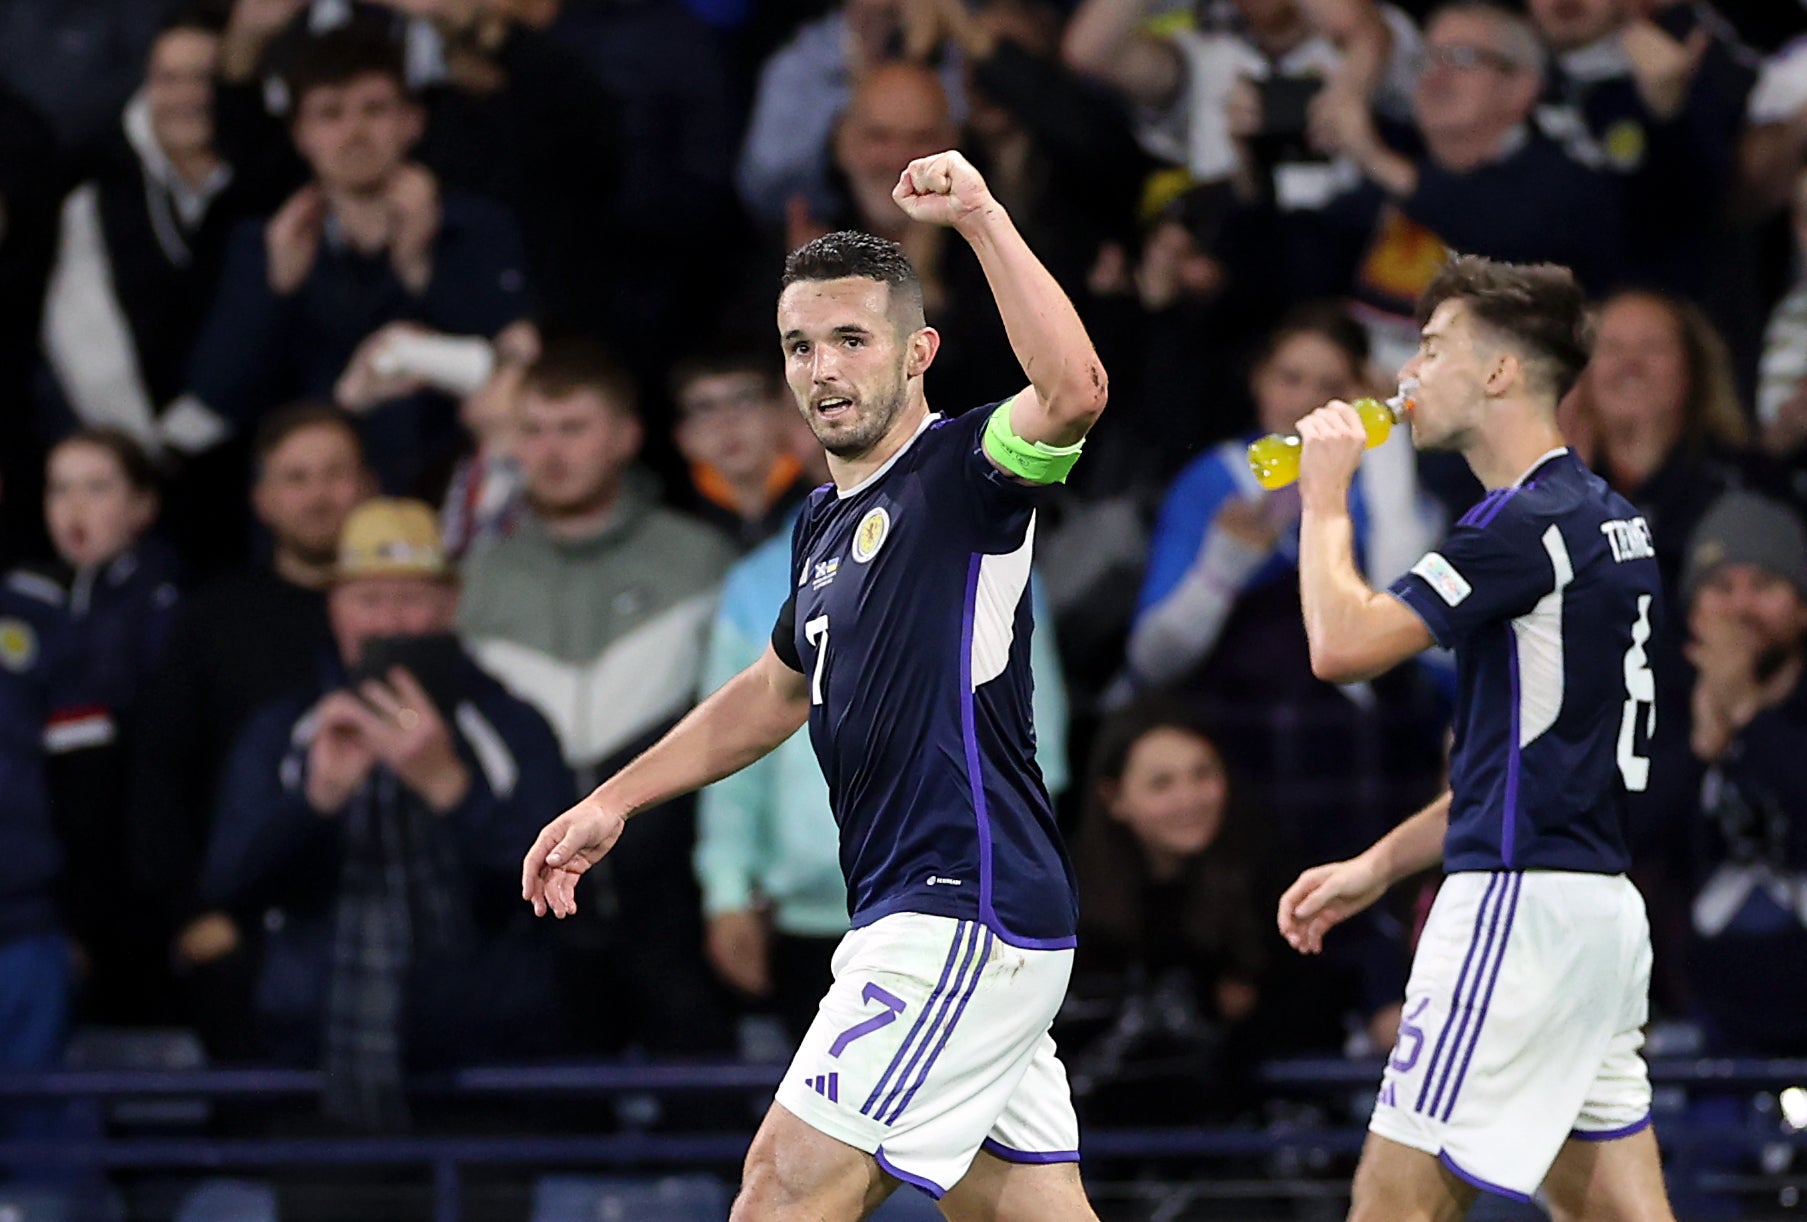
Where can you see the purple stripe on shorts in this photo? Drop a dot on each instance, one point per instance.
(1635, 1127)
(947, 1032)
(1010, 1155)
(969, 733)
(915, 1181)
(1517, 885)
(1474, 940)
(953, 953)
(947, 1004)
(1468, 1010)
(1473, 1180)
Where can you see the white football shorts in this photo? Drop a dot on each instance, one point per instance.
(933, 1044)
(1522, 1026)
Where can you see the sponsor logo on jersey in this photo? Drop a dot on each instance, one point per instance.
(941, 880)
(18, 645)
(1442, 577)
(823, 573)
(874, 527)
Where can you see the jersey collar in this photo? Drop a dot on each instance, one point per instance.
(843, 494)
(1558, 452)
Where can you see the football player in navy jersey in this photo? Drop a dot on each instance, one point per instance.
(905, 646)
(1518, 1064)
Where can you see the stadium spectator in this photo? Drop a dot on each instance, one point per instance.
(1172, 939)
(1774, 147)
(371, 239)
(1657, 100)
(609, 648)
(784, 163)
(114, 593)
(241, 641)
(1782, 372)
(1487, 182)
(1663, 413)
(736, 423)
(138, 259)
(1228, 96)
(35, 971)
(1746, 583)
(372, 819)
(1219, 623)
(483, 490)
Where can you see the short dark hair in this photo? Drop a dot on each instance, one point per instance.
(569, 363)
(208, 16)
(722, 362)
(140, 472)
(1538, 308)
(1328, 320)
(339, 56)
(283, 423)
(850, 253)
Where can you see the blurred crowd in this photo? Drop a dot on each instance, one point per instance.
(392, 443)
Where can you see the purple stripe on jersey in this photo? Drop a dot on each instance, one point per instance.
(928, 1036)
(1480, 1022)
(1486, 516)
(1011, 1155)
(1469, 1008)
(1509, 817)
(1636, 1126)
(915, 1181)
(969, 731)
(1472, 517)
(1474, 940)
(953, 953)
(947, 1032)
(1475, 1181)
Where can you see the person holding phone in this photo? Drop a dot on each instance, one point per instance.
(363, 821)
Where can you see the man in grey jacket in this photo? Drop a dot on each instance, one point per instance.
(596, 610)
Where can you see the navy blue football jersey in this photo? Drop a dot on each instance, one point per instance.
(911, 621)
(1548, 593)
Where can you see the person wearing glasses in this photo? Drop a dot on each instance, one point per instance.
(1474, 175)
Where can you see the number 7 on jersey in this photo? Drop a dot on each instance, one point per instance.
(815, 631)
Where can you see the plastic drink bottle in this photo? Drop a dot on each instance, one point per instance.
(1275, 458)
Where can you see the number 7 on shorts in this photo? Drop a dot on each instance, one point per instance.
(894, 1006)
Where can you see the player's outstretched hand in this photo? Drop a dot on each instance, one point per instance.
(1323, 898)
(566, 849)
(943, 189)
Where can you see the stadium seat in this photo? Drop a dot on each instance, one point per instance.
(229, 1201)
(587, 1198)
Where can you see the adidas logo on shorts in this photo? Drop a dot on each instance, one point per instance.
(827, 1085)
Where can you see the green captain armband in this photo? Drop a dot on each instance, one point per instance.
(1036, 461)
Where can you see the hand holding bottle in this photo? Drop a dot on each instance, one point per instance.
(1275, 458)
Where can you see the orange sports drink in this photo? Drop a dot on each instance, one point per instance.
(1275, 458)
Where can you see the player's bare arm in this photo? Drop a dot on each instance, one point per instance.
(1067, 385)
(747, 717)
(1355, 633)
(1325, 896)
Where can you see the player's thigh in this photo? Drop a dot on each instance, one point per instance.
(994, 1190)
(1609, 1181)
(795, 1173)
(1395, 1183)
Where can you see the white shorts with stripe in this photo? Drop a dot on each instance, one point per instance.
(933, 1044)
(1522, 1026)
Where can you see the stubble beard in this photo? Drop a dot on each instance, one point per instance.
(866, 430)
